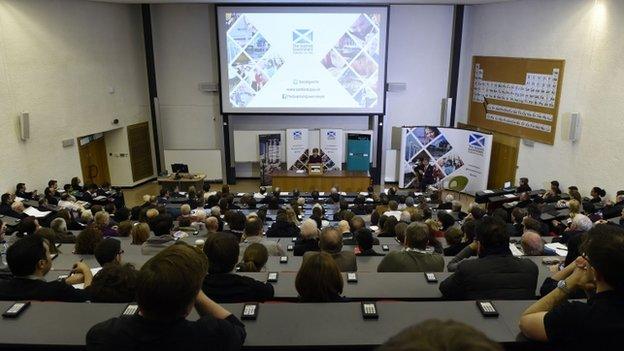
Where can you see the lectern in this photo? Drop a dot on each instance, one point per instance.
(315, 169)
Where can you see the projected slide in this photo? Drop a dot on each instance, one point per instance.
(302, 59)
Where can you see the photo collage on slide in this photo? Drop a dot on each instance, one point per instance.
(428, 143)
(251, 62)
(353, 60)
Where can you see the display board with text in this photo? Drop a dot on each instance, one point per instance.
(516, 96)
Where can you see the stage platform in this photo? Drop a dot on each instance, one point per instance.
(345, 180)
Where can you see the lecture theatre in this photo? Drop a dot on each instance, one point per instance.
(426, 175)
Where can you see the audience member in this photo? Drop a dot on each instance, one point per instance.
(364, 239)
(454, 236)
(524, 185)
(162, 225)
(308, 241)
(393, 210)
(496, 274)
(253, 234)
(282, 228)
(114, 283)
(319, 279)
(387, 231)
(140, 233)
(108, 251)
(591, 325)
(414, 257)
(62, 235)
(254, 259)
(176, 273)
(29, 260)
(87, 240)
(102, 221)
(221, 284)
(436, 335)
(331, 243)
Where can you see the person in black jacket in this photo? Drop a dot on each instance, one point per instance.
(524, 186)
(20, 191)
(282, 228)
(221, 284)
(308, 241)
(496, 274)
(364, 239)
(592, 325)
(29, 260)
(168, 287)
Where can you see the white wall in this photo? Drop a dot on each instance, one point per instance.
(589, 38)
(58, 59)
(186, 54)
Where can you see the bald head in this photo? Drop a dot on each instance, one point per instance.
(344, 227)
(331, 240)
(532, 243)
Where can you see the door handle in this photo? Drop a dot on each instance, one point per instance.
(91, 175)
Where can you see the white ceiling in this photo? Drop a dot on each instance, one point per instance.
(437, 2)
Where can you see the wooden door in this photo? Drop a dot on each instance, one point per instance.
(504, 159)
(140, 151)
(94, 162)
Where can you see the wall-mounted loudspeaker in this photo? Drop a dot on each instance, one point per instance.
(24, 125)
(575, 127)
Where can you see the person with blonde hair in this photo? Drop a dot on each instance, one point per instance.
(86, 217)
(308, 241)
(139, 233)
(102, 221)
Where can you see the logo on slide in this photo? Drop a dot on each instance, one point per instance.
(476, 140)
(331, 135)
(302, 41)
(297, 134)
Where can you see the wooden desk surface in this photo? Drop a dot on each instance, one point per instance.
(335, 174)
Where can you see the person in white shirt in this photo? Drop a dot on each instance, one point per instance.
(66, 202)
(393, 210)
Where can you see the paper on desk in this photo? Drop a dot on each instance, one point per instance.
(342, 193)
(368, 199)
(284, 193)
(514, 250)
(559, 248)
(299, 171)
(93, 272)
(31, 211)
(363, 193)
(100, 198)
(488, 191)
(17, 198)
(321, 193)
(374, 228)
(510, 196)
(417, 194)
(240, 194)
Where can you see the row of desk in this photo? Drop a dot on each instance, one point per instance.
(56, 325)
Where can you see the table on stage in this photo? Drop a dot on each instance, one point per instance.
(345, 180)
(183, 183)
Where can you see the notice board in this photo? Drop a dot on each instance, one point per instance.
(516, 96)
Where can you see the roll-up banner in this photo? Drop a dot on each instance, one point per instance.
(456, 159)
(332, 148)
(297, 143)
(269, 152)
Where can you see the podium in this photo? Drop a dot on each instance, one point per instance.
(182, 181)
(315, 169)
